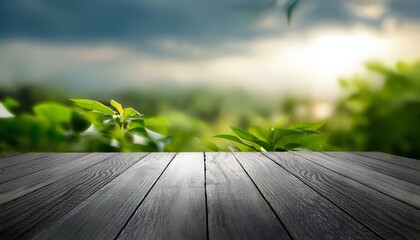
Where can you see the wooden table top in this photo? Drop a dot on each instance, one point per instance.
(292, 195)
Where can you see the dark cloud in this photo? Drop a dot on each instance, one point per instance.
(119, 19)
(84, 20)
(405, 9)
(140, 21)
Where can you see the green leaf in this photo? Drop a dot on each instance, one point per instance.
(281, 133)
(95, 118)
(292, 146)
(117, 106)
(10, 103)
(280, 149)
(262, 136)
(264, 145)
(165, 140)
(235, 139)
(130, 112)
(281, 122)
(93, 105)
(259, 132)
(53, 112)
(140, 131)
(306, 126)
(78, 122)
(142, 148)
(244, 135)
(290, 8)
(136, 123)
(313, 141)
(230, 137)
(213, 147)
(234, 148)
(160, 140)
(249, 137)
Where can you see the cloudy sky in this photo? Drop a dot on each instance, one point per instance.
(128, 44)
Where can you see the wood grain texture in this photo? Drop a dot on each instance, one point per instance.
(236, 210)
(24, 169)
(175, 208)
(305, 213)
(27, 216)
(408, 162)
(249, 196)
(24, 185)
(397, 171)
(389, 218)
(6, 155)
(404, 191)
(103, 215)
(20, 158)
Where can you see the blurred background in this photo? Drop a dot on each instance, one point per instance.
(195, 68)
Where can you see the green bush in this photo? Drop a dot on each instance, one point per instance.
(277, 137)
(380, 112)
(88, 126)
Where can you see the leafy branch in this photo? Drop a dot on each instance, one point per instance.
(125, 127)
(277, 137)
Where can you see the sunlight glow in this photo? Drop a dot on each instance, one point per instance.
(372, 9)
(337, 54)
(307, 64)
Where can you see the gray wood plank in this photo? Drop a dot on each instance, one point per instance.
(175, 208)
(397, 171)
(25, 217)
(390, 218)
(5, 155)
(236, 210)
(103, 215)
(21, 158)
(394, 187)
(24, 169)
(408, 162)
(305, 213)
(24, 185)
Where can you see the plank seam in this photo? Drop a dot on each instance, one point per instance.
(376, 158)
(6, 155)
(39, 189)
(205, 197)
(265, 199)
(358, 181)
(37, 158)
(39, 170)
(350, 215)
(145, 196)
(88, 196)
(354, 162)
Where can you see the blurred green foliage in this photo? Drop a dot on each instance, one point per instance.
(51, 127)
(380, 111)
(186, 114)
(92, 126)
(276, 137)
